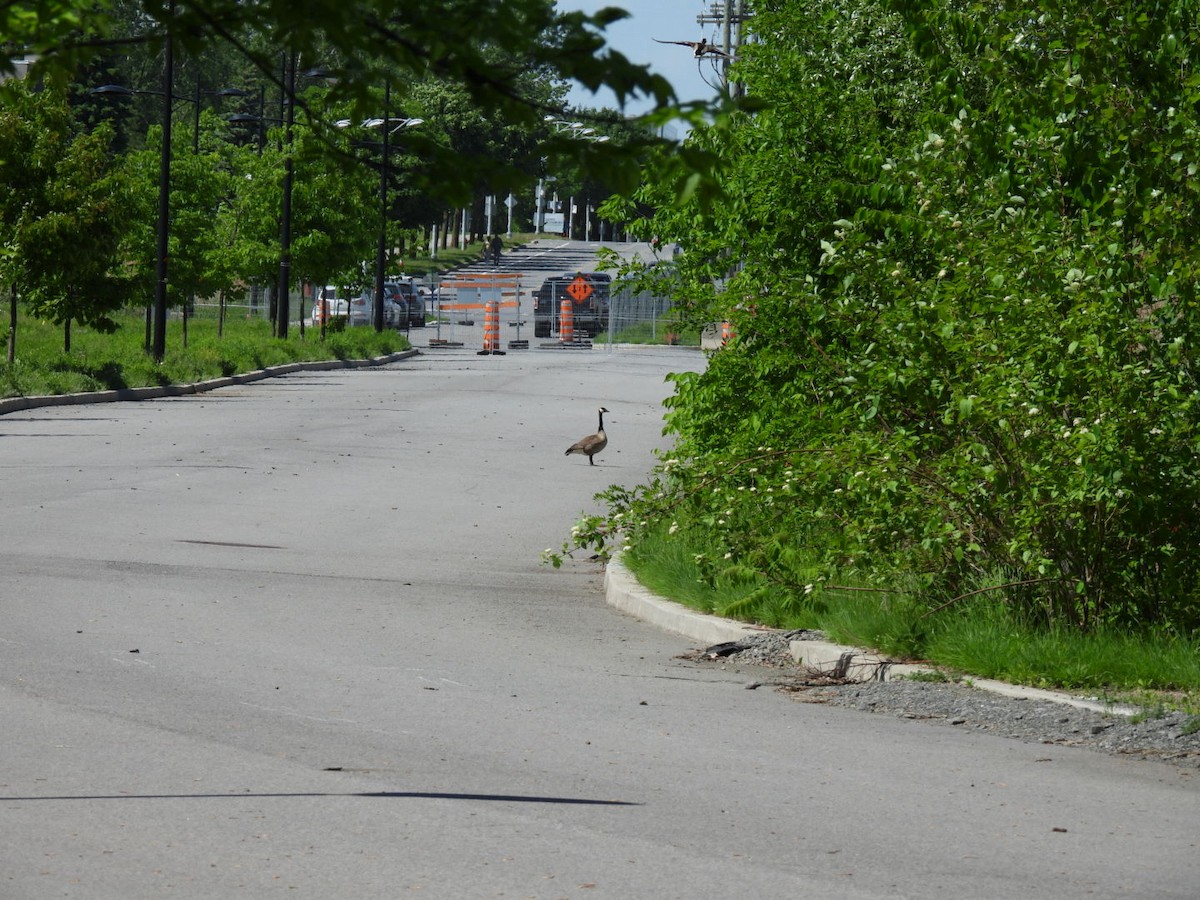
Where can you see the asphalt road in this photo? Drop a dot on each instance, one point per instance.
(294, 639)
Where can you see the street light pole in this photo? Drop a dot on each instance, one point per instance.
(381, 248)
(385, 147)
(578, 131)
(159, 336)
(285, 225)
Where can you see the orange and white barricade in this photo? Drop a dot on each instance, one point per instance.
(491, 326)
(566, 321)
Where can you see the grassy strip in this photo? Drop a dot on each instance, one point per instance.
(652, 333)
(449, 258)
(112, 361)
(980, 637)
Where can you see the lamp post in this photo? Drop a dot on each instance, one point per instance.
(159, 343)
(158, 332)
(287, 105)
(384, 123)
(156, 337)
(224, 92)
(259, 122)
(578, 130)
(381, 247)
(285, 215)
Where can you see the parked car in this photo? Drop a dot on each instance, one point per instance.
(328, 305)
(410, 305)
(362, 309)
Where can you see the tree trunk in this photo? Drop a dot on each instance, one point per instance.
(67, 336)
(12, 326)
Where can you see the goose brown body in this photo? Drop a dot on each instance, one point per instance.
(593, 443)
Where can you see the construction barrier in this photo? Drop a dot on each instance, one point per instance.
(566, 321)
(491, 326)
(472, 291)
(727, 333)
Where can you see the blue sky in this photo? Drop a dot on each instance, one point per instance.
(667, 20)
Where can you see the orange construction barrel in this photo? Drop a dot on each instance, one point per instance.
(566, 321)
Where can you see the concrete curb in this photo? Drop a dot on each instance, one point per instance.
(15, 404)
(622, 591)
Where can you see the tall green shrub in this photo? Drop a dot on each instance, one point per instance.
(958, 252)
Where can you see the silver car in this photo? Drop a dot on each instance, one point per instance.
(362, 310)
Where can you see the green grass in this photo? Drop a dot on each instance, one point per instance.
(651, 333)
(668, 567)
(112, 361)
(979, 638)
(423, 265)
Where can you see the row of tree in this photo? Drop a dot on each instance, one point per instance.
(957, 245)
(78, 179)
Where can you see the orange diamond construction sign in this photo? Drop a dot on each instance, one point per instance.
(580, 289)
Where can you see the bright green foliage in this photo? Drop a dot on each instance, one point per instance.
(62, 209)
(499, 55)
(335, 214)
(958, 250)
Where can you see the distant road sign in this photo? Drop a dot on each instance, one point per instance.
(579, 289)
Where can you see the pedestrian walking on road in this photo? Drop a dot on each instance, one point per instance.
(495, 245)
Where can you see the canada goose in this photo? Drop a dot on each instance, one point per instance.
(593, 443)
(700, 48)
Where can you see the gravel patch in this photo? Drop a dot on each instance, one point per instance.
(1155, 734)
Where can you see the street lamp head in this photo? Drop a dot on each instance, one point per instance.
(118, 89)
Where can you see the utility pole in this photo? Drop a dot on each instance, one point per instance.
(730, 15)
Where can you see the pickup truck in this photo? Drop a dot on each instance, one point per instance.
(589, 296)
